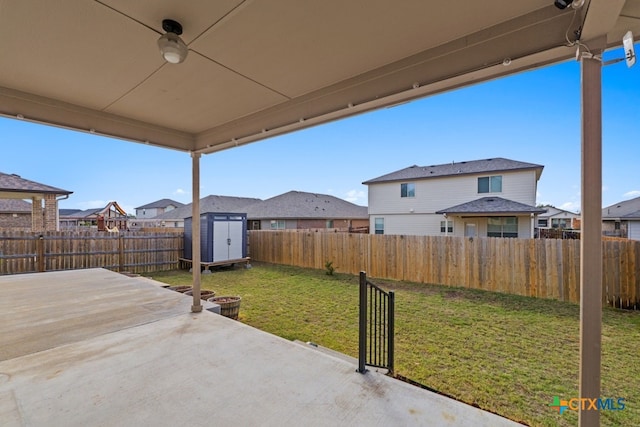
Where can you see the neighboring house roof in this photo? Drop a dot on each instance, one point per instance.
(497, 164)
(298, 204)
(162, 203)
(553, 211)
(17, 184)
(93, 212)
(211, 203)
(68, 212)
(628, 209)
(491, 205)
(14, 206)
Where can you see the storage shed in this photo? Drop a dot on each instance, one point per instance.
(223, 237)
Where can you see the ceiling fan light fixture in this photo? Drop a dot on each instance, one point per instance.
(172, 48)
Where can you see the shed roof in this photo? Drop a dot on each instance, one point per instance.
(491, 206)
(497, 164)
(299, 204)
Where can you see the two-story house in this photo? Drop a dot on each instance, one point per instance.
(153, 209)
(491, 197)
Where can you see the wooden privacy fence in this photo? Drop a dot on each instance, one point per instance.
(545, 268)
(26, 252)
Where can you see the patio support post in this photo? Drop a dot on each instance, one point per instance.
(195, 232)
(591, 239)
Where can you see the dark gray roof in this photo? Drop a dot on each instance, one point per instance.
(14, 206)
(162, 203)
(298, 204)
(211, 204)
(14, 183)
(67, 212)
(491, 205)
(82, 214)
(497, 164)
(628, 209)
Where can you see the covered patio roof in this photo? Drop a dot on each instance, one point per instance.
(258, 69)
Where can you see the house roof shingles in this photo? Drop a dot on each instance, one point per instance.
(211, 203)
(628, 209)
(491, 205)
(497, 164)
(17, 184)
(299, 204)
(14, 206)
(162, 203)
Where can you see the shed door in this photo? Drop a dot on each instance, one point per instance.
(235, 240)
(220, 242)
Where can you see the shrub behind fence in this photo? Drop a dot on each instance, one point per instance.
(545, 268)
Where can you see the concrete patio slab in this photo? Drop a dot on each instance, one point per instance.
(92, 347)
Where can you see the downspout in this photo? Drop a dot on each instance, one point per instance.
(65, 197)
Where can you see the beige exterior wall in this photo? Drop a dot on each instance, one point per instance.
(440, 193)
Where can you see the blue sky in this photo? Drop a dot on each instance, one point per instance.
(532, 117)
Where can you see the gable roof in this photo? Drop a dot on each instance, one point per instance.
(298, 204)
(497, 164)
(68, 212)
(491, 205)
(15, 206)
(211, 203)
(553, 211)
(12, 183)
(162, 203)
(628, 209)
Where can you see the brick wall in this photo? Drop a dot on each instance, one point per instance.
(50, 212)
(37, 218)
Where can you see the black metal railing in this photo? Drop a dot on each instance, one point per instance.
(376, 326)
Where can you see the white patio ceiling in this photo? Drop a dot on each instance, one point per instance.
(260, 68)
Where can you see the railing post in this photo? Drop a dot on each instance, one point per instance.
(362, 343)
(391, 326)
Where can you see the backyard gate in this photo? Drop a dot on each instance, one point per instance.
(223, 237)
(376, 329)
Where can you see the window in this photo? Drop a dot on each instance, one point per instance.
(616, 225)
(490, 184)
(379, 225)
(446, 227)
(559, 223)
(329, 223)
(543, 222)
(408, 190)
(505, 226)
(277, 224)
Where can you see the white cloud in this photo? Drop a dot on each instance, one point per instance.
(632, 193)
(570, 206)
(604, 188)
(179, 192)
(356, 196)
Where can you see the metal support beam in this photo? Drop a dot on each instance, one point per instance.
(195, 233)
(591, 239)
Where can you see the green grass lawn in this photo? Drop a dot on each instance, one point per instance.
(507, 354)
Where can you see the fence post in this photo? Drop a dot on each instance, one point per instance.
(391, 326)
(362, 338)
(40, 253)
(120, 253)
